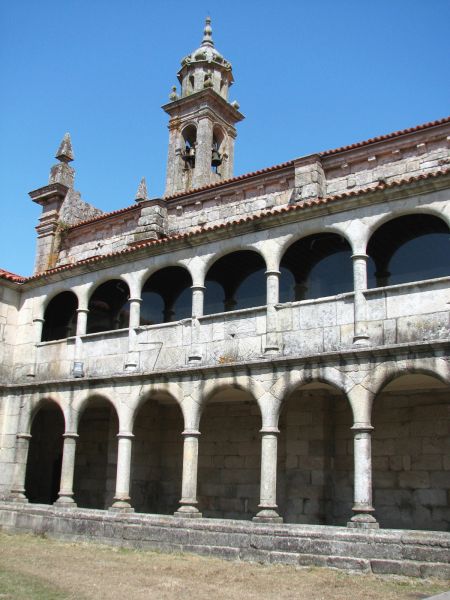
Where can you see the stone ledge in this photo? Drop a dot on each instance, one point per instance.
(398, 552)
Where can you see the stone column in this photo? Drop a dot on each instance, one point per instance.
(198, 296)
(273, 285)
(360, 337)
(122, 495)
(188, 502)
(268, 512)
(38, 324)
(132, 360)
(65, 496)
(20, 468)
(78, 365)
(362, 507)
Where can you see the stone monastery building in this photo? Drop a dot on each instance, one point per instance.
(272, 346)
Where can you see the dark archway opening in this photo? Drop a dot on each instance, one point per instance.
(96, 455)
(109, 307)
(408, 248)
(229, 456)
(60, 317)
(43, 474)
(157, 457)
(167, 296)
(315, 466)
(235, 281)
(410, 454)
(316, 266)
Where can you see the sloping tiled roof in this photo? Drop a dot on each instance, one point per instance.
(229, 224)
(11, 276)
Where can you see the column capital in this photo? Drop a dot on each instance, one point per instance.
(70, 435)
(24, 436)
(82, 310)
(271, 430)
(191, 433)
(273, 272)
(198, 288)
(360, 255)
(135, 299)
(125, 435)
(362, 428)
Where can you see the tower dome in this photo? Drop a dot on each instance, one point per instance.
(205, 67)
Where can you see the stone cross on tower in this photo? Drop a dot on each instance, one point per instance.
(202, 120)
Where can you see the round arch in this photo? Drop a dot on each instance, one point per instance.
(166, 295)
(109, 306)
(60, 316)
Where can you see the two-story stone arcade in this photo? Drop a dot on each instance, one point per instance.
(269, 347)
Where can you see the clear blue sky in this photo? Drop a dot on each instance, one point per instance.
(309, 76)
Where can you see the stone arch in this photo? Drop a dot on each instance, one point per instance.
(235, 280)
(316, 265)
(109, 306)
(157, 455)
(399, 248)
(410, 444)
(229, 451)
(60, 316)
(44, 460)
(166, 295)
(315, 466)
(97, 422)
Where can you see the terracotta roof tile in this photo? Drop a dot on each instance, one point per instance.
(11, 276)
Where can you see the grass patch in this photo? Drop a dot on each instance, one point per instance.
(19, 586)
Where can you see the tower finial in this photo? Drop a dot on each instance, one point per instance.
(65, 152)
(141, 194)
(207, 34)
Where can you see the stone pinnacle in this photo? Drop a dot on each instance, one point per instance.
(141, 194)
(207, 34)
(65, 152)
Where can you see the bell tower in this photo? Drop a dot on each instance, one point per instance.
(202, 120)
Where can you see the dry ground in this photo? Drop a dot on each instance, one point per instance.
(34, 568)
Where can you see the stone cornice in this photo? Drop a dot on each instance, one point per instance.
(433, 349)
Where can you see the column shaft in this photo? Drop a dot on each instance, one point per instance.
(188, 502)
(268, 494)
(363, 479)
(20, 468)
(360, 337)
(122, 495)
(272, 285)
(65, 495)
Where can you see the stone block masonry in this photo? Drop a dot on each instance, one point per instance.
(411, 553)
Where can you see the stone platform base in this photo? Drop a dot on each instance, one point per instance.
(388, 551)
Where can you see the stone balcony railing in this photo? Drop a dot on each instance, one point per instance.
(405, 313)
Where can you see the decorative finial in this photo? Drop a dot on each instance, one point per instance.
(65, 153)
(207, 34)
(141, 194)
(173, 94)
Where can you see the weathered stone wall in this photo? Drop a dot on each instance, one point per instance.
(157, 459)
(411, 459)
(96, 459)
(74, 209)
(229, 460)
(9, 309)
(315, 462)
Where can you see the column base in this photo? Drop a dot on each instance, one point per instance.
(267, 515)
(65, 502)
(363, 520)
(18, 497)
(188, 511)
(121, 506)
(361, 341)
(272, 350)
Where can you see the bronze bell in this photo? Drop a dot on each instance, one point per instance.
(216, 159)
